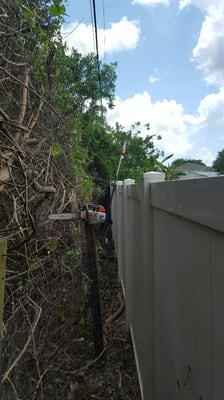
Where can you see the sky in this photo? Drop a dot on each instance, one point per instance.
(170, 71)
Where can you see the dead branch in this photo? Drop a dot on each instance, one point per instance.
(23, 101)
(48, 164)
(34, 349)
(44, 189)
(88, 365)
(35, 93)
(4, 114)
(4, 177)
(61, 207)
(14, 124)
(34, 117)
(31, 141)
(12, 62)
(117, 313)
(15, 362)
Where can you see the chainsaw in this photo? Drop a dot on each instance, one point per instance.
(90, 213)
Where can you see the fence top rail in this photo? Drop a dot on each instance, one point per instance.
(198, 200)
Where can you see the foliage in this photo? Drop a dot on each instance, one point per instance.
(218, 164)
(141, 154)
(102, 149)
(181, 161)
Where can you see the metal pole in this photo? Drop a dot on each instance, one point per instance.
(94, 288)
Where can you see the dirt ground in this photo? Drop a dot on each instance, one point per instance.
(114, 375)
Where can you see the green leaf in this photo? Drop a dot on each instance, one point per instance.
(51, 245)
(56, 151)
(57, 10)
(53, 11)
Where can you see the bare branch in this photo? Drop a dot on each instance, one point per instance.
(44, 189)
(14, 124)
(35, 117)
(12, 62)
(15, 362)
(4, 114)
(4, 177)
(23, 102)
(35, 93)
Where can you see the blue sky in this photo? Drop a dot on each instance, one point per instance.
(170, 56)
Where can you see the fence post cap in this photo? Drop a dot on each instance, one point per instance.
(154, 176)
(129, 181)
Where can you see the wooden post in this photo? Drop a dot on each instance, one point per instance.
(94, 289)
(3, 249)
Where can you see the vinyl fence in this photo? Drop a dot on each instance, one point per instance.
(169, 241)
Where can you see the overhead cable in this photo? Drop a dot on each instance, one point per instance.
(97, 51)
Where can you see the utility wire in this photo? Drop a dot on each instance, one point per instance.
(74, 29)
(104, 31)
(91, 13)
(97, 52)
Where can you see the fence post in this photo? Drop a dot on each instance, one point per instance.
(126, 246)
(147, 369)
(119, 226)
(115, 216)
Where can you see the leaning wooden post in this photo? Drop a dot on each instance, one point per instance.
(91, 214)
(94, 288)
(3, 250)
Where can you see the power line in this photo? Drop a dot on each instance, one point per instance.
(104, 31)
(97, 52)
(73, 30)
(91, 13)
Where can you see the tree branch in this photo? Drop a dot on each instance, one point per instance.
(35, 93)
(23, 102)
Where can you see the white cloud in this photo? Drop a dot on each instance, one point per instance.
(184, 135)
(120, 36)
(205, 155)
(153, 78)
(166, 117)
(211, 110)
(209, 52)
(151, 2)
(205, 5)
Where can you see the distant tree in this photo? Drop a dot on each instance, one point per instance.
(218, 164)
(181, 161)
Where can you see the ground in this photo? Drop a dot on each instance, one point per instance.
(57, 362)
(80, 377)
(114, 375)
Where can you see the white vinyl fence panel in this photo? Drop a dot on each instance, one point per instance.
(169, 241)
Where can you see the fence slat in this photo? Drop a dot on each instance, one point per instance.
(147, 364)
